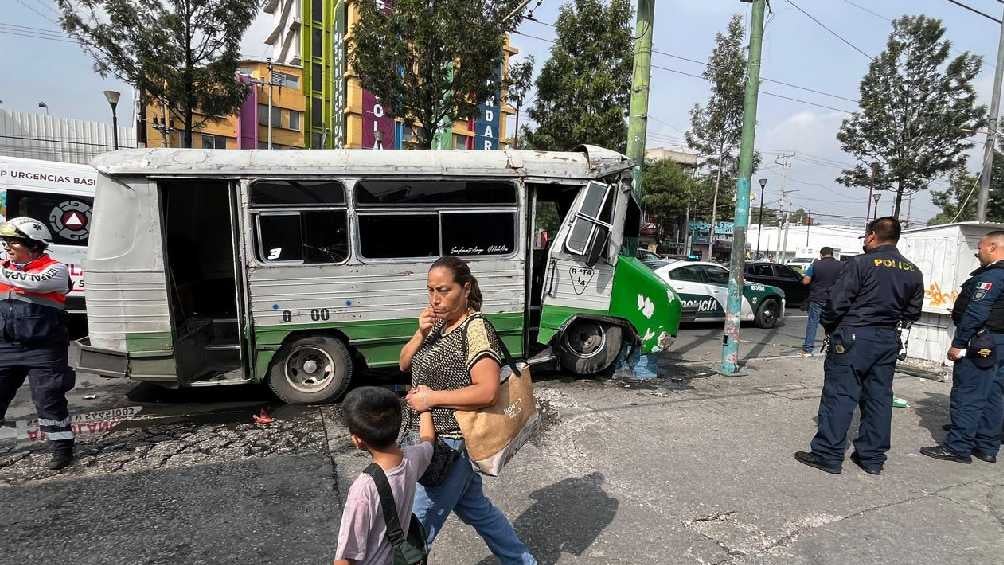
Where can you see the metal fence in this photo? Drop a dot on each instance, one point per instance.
(39, 136)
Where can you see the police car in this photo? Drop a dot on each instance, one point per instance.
(703, 289)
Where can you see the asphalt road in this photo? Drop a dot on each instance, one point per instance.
(689, 467)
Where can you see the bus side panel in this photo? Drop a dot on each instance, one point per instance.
(571, 288)
(376, 306)
(127, 303)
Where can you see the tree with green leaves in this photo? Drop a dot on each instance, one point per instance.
(518, 83)
(670, 191)
(584, 88)
(420, 59)
(958, 201)
(917, 114)
(183, 53)
(716, 127)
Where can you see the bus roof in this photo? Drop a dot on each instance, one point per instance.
(588, 162)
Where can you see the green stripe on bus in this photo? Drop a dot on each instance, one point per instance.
(378, 341)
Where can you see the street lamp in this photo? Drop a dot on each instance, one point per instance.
(763, 184)
(112, 96)
(44, 105)
(876, 197)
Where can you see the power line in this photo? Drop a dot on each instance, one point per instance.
(34, 9)
(973, 10)
(876, 14)
(705, 64)
(775, 95)
(833, 33)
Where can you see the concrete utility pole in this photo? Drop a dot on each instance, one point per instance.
(638, 122)
(988, 149)
(730, 339)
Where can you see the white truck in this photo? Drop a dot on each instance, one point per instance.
(60, 195)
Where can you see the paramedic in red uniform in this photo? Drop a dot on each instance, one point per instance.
(33, 335)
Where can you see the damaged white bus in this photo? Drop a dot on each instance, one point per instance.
(300, 269)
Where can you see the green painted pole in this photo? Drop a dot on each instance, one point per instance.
(638, 122)
(733, 309)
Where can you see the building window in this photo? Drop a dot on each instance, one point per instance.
(316, 77)
(316, 42)
(263, 114)
(276, 117)
(214, 141)
(294, 120)
(316, 112)
(459, 141)
(316, 141)
(317, 9)
(286, 80)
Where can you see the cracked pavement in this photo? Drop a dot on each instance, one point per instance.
(688, 468)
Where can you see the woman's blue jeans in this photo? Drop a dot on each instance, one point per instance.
(462, 494)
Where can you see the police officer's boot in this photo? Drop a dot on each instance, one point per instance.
(62, 454)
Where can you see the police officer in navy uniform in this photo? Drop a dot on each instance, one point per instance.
(976, 405)
(33, 333)
(878, 291)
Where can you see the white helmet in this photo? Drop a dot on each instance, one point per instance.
(26, 228)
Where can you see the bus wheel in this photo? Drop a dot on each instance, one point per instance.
(311, 369)
(588, 347)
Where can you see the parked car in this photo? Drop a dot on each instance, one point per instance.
(784, 277)
(652, 260)
(703, 290)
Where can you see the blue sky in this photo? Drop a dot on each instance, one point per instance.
(796, 50)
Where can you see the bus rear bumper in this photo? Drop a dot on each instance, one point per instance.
(154, 366)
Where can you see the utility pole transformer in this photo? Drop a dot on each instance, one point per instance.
(988, 150)
(640, 80)
(733, 309)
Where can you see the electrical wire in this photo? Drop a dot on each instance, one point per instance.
(827, 28)
(870, 11)
(973, 10)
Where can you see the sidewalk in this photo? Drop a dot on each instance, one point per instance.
(700, 470)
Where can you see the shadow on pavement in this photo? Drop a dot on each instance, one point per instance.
(933, 413)
(566, 517)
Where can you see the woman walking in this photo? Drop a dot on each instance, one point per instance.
(455, 358)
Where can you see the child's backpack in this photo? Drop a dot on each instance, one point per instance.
(408, 550)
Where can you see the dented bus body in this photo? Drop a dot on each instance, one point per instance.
(300, 269)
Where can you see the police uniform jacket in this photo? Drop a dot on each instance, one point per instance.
(878, 288)
(32, 303)
(979, 304)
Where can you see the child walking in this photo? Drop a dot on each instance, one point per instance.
(373, 416)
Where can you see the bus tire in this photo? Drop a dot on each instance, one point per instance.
(588, 347)
(310, 370)
(768, 313)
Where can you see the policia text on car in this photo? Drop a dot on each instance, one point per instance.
(33, 335)
(878, 292)
(976, 405)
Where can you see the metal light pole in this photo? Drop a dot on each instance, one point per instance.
(269, 83)
(988, 149)
(112, 96)
(730, 337)
(763, 185)
(876, 197)
(46, 106)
